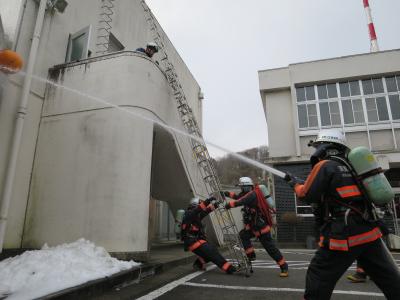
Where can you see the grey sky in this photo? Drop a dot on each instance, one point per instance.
(225, 42)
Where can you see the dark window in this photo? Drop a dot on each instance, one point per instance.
(335, 113)
(398, 82)
(358, 111)
(312, 115)
(354, 88)
(301, 94)
(391, 84)
(378, 85)
(382, 109)
(367, 87)
(322, 92)
(332, 92)
(395, 106)
(310, 93)
(347, 112)
(302, 112)
(324, 112)
(344, 89)
(372, 111)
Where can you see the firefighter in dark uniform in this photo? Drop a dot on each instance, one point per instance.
(194, 238)
(257, 220)
(349, 231)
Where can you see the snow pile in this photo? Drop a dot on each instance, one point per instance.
(41, 272)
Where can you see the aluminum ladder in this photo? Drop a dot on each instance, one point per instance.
(225, 221)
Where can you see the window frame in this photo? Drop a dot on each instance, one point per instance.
(86, 31)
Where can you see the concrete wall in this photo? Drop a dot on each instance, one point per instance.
(130, 27)
(278, 110)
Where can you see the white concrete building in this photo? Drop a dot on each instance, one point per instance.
(89, 165)
(358, 93)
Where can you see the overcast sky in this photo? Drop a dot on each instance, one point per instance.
(225, 42)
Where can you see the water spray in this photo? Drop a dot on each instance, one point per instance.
(169, 128)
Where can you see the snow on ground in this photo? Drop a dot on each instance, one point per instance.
(41, 272)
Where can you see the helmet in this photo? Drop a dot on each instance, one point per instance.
(334, 136)
(194, 202)
(243, 181)
(152, 45)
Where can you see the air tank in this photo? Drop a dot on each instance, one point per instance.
(374, 181)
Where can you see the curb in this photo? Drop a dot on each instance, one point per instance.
(119, 280)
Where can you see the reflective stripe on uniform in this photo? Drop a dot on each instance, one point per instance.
(197, 245)
(226, 266)
(365, 237)
(281, 262)
(302, 189)
(340, 245)
(348, 191)
(321, 241)
(266, 229)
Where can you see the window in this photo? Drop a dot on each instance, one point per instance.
(352, 111)
(330, 114)
(393, 84)
(78, 45)
(372, 86)
(377, 109)
(349, 88)
(326, 91)
(307, 115)
(305, 93)
(302, 208)
(114, 45)
(395, 106)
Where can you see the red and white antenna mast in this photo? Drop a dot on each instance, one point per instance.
(371, 27)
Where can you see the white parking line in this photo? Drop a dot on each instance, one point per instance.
(166, 288)
(272, 289)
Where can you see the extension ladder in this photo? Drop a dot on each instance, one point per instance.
(224, 217)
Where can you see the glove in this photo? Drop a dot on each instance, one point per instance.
(209, 200)
(292, 180)
(228, 206)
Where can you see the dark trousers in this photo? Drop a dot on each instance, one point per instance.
(328, 266)
(265, 239)
(207, 253)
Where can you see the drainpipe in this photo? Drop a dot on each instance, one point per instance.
(19, 124)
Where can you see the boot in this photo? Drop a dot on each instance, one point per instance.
(231, 270)
(284, 270)
(198, 265)
(357, 277)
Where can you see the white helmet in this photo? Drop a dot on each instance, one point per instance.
(243, 181)
(194, 202)
(334, 136)
(152, 45)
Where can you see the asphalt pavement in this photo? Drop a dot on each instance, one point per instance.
(264, 283)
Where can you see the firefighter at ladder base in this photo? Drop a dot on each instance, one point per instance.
(349, 231)
(194, 239)
(257, 219)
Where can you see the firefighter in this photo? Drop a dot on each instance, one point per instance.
(194, 239)
(257, 219)
(349, 231)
